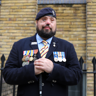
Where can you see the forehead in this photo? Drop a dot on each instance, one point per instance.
(48, 17)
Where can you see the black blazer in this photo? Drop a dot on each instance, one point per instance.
(55, 83)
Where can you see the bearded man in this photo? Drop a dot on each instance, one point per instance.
(43, 65)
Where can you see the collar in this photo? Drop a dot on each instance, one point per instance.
(39, 39)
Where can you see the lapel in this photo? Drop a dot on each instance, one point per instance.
(52, 47)
(33, 44)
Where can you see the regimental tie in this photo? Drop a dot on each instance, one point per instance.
(44, 49)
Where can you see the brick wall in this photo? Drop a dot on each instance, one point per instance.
(91, 43)
(17, 20)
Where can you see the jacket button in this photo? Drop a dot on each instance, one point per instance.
(42, 84)
(54, 81)
(31, 82)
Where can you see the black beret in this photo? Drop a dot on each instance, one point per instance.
(44, 12)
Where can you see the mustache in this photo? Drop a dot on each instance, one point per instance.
(47, 26)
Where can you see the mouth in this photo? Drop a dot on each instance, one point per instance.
(47, 28)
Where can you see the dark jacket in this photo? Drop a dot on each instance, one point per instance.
(55, 83)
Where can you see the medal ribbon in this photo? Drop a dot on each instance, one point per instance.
(28, 52)
(35, 51)
(62, 55)
(31, 53)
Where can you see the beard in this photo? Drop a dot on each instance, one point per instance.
(44, 33)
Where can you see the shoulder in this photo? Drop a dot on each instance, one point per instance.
(62, 41)
(23, 40)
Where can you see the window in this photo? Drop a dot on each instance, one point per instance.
(61, 1)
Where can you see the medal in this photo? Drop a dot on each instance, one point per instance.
(63, 57)
(34, 58)
(56, 59)
(31, 55)
(24, 55)
(23, 59)
(55, 56)
(64, 60)
(31, 59)
(35, 52)
(59, 57)
(27, 58)
(25, 63)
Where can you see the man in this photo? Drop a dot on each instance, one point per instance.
(60, 68)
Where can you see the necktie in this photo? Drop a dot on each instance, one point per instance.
(44, 49)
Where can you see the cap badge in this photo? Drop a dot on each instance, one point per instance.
(53, 13)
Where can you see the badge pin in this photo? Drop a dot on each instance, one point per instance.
(54, 44)
(33, 43)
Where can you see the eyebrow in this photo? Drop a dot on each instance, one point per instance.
(48, 16)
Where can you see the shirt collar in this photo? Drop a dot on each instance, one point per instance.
(39, 39)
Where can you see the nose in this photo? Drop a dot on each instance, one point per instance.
(48, 21)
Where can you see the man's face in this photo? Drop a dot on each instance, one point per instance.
(46, 27)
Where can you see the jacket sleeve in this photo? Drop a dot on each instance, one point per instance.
(69, 74)
(13, 73)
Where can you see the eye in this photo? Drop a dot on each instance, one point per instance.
(52, 19)
(43, 19)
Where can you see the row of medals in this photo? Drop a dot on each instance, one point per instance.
(59, 57)
(27, 58)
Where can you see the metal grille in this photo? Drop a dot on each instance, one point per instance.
(61, 1)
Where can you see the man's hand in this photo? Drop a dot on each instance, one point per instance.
(43, 64)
